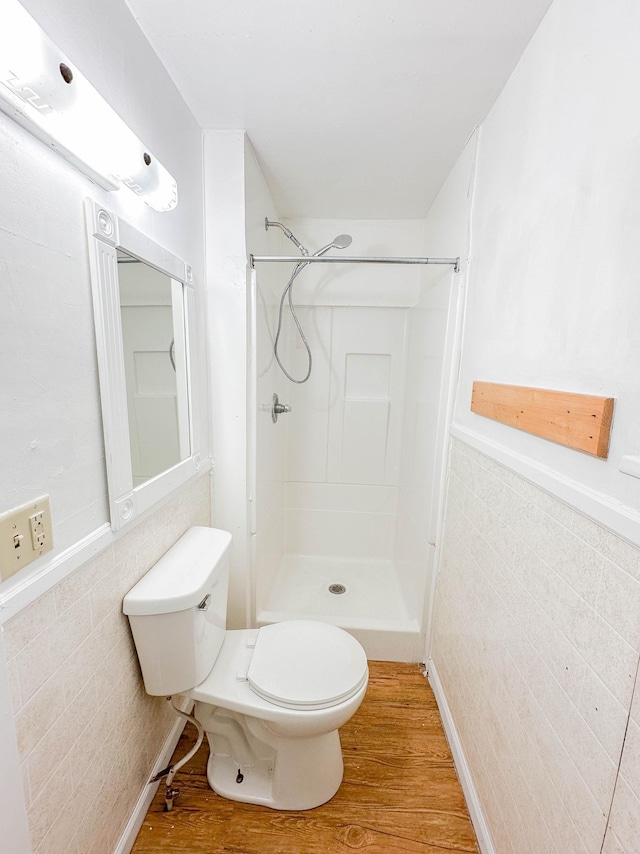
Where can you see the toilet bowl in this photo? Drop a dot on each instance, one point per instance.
(285, 749)
(270, 700)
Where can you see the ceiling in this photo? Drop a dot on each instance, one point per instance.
(356, 109)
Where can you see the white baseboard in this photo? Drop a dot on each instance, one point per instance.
(462, 767)
(125, 843)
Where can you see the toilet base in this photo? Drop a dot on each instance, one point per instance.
(256, 782)
(301, 773)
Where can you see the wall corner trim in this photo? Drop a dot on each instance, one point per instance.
(478, 819)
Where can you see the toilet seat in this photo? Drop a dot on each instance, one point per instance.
(306, 665)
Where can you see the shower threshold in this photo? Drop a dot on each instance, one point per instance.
(371, 607)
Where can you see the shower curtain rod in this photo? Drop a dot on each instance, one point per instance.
(354, 259)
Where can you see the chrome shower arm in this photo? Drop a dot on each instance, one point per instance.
(268, 224)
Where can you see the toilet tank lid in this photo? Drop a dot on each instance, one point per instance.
(182, 578)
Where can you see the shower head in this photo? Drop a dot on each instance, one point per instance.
(339, 242)
(342, 241)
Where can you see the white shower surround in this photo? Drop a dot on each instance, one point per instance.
(354, 472)
(260, 467)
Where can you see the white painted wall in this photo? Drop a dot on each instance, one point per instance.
(49, 407)
(247, 448)
(50, 425)
(228, 319)
(264, 297)
(553, 297)
(433, 328)
(266, 439)
(537, 623)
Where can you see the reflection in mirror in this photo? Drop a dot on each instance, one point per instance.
(151, 310)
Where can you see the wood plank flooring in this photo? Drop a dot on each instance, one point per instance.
(400, 791)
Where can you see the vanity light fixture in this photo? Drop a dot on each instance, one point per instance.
(47, 95)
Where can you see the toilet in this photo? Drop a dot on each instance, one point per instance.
(270, 700)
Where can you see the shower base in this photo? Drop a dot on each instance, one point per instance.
(372, 608)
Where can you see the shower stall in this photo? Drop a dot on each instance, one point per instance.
(346, 474)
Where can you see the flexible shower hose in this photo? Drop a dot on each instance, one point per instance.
(289, 290)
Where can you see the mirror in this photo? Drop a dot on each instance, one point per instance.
(153, 345)
(143, 302)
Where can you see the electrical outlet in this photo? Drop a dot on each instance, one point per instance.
(25, 534)
(38, 533)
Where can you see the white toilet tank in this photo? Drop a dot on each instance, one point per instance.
(178, 612)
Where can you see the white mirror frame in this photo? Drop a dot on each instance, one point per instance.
(106, 234)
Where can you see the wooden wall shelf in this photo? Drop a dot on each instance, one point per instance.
(578, 421)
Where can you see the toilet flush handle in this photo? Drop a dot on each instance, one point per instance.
(204, 605)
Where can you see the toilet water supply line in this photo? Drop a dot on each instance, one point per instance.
(171, 770)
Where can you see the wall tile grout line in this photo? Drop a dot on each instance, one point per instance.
(607, 828)
(560, 716)
(104, 721)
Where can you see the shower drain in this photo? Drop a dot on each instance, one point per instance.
(337, 588)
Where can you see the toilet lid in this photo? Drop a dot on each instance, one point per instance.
(303, 664)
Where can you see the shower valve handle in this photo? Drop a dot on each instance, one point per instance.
(278, 408)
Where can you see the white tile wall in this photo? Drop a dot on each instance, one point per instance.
(339, 533)
(537, 638)
(342, 496)
(365, 433)
(267, 552)
(346, 421)
(340, 520)
(307, 425)
(88, 735)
